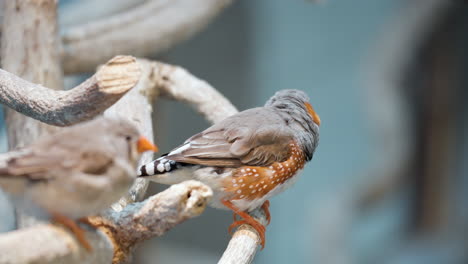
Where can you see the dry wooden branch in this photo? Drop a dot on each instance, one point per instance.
(147, 29)
(159, 213)
(244, 243)
(64, 108)
(73, 13)
(120, 231)
(178, 84)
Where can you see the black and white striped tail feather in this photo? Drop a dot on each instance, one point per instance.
(158, 166)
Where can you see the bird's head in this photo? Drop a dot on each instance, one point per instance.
(129, 138)
(295, 108)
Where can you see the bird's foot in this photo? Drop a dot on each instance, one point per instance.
(71, 225)
(266, 209)
(247, 219)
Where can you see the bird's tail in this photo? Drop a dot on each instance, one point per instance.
(159, 166)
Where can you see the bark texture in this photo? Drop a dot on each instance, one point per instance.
(30, 50)
(64, 108)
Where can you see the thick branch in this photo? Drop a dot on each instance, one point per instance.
(150, 28)
(120, 232)
(73, 13)
(64, 108)
(152, 218)
(244, 243)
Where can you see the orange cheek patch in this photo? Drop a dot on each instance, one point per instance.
(251, 182)
(313, 114)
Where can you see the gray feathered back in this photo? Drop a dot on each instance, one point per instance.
(255, 137)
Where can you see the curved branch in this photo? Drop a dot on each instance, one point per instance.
(145, 30)
(77, 12)
(120, 230)
(63, 108)
(178, 84)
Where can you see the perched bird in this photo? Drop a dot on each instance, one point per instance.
(248, 157)
(76, 172)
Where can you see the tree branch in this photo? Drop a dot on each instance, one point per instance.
(176, 83)
(152, 218)
(73, 13)
(244, 242)
(147, 29)
(64, 108)
(120, 231)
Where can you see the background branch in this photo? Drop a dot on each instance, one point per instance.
(73, 13)
(147, 29)
(176, 83)
(64, 108)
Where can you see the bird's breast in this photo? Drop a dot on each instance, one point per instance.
(252, 185)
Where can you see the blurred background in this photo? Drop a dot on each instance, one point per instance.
(388, 181)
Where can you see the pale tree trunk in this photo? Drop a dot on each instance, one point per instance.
(30, 49)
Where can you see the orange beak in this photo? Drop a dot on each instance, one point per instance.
(144, 144)
(313, 114)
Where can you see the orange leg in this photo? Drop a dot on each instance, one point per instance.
(74, 228)
(266, 209)
(247, 219)
(85, 220)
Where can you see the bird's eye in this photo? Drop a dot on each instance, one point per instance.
(128, 138)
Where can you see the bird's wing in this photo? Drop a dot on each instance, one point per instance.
(256, 137)
(44, 164)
